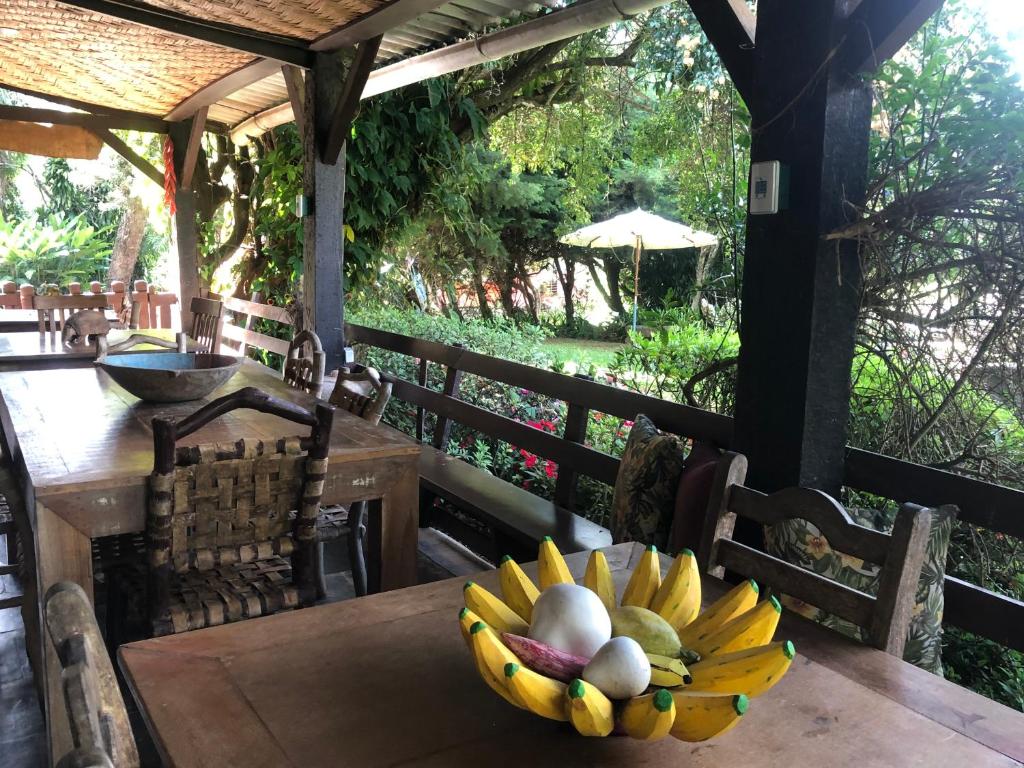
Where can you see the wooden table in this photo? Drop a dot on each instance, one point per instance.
(14, 320)
(30, 350)
(84, 449)
(387, 680)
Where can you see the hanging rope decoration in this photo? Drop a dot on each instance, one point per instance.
(170, 180)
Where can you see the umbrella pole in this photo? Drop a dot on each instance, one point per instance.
(636, 281)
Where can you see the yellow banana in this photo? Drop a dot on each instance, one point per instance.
(677, 600)
(589, 710)
(700, 716)
(648, 717)
(749, 629)
(667, 672)
(539, 694)
(491, 657)
(598, 579)
(645, 580)
(750, 672)
(551, 567)
(466, 620)
(730, 605)
(519, 592)
(492, 611)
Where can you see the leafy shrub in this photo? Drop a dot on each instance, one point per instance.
(52, 251)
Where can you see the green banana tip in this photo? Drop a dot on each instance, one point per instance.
(652, 548)
(687, 679)
(776, 604)
(467, 585)
(740, 703)
(662, 700)
(576, 689)
(504, 559)
(478, 626)
(687, 552)
(789, 649)
(547, 538)
(463, 612)
(511, 668)
(753, 586)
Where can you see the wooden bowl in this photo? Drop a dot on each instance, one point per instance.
(170, 377)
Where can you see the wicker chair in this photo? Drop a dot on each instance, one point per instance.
(301, 371)
(98, 721)
(223, 544)
(362, 391)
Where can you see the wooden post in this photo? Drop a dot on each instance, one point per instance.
(800, 294)
(576, 421)
(186, 223)
(443, 426)
(323, 295)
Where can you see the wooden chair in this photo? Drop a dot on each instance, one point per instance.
(223, 544)
(362, 391)
(900, 556)
(302, 371)
(53, 310)
(206, 323)
(99, 725)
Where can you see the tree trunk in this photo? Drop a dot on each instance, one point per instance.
(705, 258)
(127, 242)
(481, 291)
(567, 279)
(613, 269)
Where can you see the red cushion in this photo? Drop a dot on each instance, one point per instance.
(692, 496)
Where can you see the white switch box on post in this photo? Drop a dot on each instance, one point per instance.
(764, 187)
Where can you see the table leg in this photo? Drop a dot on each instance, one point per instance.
(399, 529)
(63, 553)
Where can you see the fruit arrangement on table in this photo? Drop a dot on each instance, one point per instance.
(651, 667)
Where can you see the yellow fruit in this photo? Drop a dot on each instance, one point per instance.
(491, 657)
(519, 592)
(590, 711)
(648, 717)
(677, 600)
(752, 628)
(598, 579)
(750, 672)
(644, 581)
(492, 611)
(466, 620)
(551, 567)
(700, 716)
(654, 634)
(667, 672)
(730, 605)
(539, 694)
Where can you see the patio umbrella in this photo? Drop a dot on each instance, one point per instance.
(640, 230)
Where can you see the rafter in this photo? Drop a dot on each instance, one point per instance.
(223, 87)
(730, 26)
(878, 28)
(136, 122)
(348, 103)
(296, 94)
(283, 49)
(377, 22)
(195, 142)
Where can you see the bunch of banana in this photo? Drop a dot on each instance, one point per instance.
(728, 646)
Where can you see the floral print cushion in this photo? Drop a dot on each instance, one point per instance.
(801, 543)
(645, 489)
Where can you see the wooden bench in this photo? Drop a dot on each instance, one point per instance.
(515, 519)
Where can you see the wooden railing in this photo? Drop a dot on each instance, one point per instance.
(155, 305)
(993, 507)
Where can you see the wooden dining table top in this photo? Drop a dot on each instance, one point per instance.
(20, 347)
(387, 680)
(78, 430)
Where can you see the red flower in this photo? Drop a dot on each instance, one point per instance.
(526, 485)
(531, 461)
(550, 469)
(598, 416)
(627, 423)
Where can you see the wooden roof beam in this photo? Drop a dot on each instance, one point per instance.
(877, 29)
(137, 122)
(195, 143)
(223, 87)
(282, 49)
(375, 23)
(113, 141)
(730, 27)
(348, 103)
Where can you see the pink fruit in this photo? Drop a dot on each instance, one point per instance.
(545, 659)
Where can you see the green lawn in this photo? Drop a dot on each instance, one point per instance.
(578, 354)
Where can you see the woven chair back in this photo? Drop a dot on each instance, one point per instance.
(362, 391)
(214, 505)
(304, 370)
